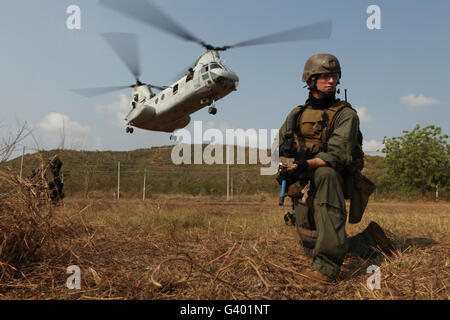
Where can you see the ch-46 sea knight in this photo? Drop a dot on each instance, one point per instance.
(208, 81)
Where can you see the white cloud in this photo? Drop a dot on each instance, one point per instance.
(58, 130)
(117, 110)
(412, 100)
(371, 146)
(363, 115)
(54, 122)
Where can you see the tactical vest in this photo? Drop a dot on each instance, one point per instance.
(315, 126)
(311, 129)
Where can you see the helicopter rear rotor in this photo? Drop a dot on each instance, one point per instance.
(125, 45)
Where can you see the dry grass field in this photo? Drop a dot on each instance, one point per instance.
(186, 247)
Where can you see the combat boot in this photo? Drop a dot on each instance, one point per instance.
(380, 238)
(317, 277)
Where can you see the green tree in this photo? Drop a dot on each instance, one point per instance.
(419, 158)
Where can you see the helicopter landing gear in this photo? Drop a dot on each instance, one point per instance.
(129, 130)
(212, 110)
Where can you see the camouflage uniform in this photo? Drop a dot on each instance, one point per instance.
(325, 210)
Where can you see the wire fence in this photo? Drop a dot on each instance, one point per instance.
(103, 171)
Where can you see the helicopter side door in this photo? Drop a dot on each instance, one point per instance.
(196, 80)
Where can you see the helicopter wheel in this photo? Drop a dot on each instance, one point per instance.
(129, 130)
(212, 110)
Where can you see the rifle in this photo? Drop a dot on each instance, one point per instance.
(287, 153)
(289, 159)
(282, 193)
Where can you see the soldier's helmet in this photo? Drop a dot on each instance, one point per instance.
(321, 63)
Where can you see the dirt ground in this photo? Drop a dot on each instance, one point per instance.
(186, 247)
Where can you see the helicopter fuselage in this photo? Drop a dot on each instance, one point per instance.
(170, 109)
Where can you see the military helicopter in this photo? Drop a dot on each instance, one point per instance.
(208, 81)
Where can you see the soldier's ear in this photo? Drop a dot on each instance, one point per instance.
(311, 83)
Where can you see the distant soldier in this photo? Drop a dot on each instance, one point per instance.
(56, 185)
(190, 74)
(321, 153)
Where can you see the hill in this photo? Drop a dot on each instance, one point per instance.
(86, 171)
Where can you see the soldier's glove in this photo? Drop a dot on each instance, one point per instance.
(300, 166)
(284, 175)
(292, 174)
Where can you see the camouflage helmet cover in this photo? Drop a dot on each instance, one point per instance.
(321, 63)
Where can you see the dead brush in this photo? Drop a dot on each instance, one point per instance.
(26, 222)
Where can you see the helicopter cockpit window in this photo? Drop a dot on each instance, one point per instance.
(162, 97)
(175, 89)
(156, 101)
(136, 97)
(214, 66)
(205, 69)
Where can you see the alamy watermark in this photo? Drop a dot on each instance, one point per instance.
(73, 22)
(374, 281)
(74, 281)
(214, 153)
(374, 20)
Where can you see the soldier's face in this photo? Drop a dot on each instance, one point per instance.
(327, 82)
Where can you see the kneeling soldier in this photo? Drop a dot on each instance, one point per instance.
(321, 148)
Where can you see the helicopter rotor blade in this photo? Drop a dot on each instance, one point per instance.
(315, 31)
(93, 92)
(148, 13)
(126, 46)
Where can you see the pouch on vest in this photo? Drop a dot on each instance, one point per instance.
(362, 189)
(313, 126)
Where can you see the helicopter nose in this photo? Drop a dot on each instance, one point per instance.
(225, 79)
(235, 79)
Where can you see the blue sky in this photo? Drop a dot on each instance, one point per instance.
(396, 76)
